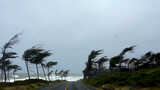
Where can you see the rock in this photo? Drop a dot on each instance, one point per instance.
(108, 88)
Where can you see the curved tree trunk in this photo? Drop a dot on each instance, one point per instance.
(5, 74)
(44, 72)
(37, 71)
(8, 76)
(48, 74)
(27, 67)
(14, 76)
(1, 75)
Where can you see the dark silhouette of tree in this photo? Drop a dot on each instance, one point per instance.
(91, 61)
(8, 68)
(27, 56)
(101, 62)
(56, 74)
(117, 59)
(41, 58)
(15, 68)
(6, 54)
(61, 74)
(36, 55)
(65, 74)
(44, 72)
(49, 75)
(50, 65)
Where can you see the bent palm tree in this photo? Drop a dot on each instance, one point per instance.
(15, 69)
(117, 59)
(49, 65)
(31, 55)
(91, 60)
(6, 55)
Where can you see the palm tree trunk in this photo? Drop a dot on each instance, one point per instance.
(27, 67)
(37, 71)
(5, 74)
(44, 72)
(14, 76)
(1, 75)
(8, 76)
(48, 74)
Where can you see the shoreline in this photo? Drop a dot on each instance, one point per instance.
(31, 84)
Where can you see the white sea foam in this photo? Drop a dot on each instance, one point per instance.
(53, 78)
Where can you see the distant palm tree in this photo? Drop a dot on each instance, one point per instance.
(101, 62)
(43, 68)
(49, 65)
(56, 74)
(15, 69)
(65, 74)
(8, 68)
(117, 59)
(49, 74)
(6, 54)
(32, 55)
(91, 61)
(41, 58)
(61, 74)
(26, 57)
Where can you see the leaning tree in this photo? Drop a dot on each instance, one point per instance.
(49, 65)
(90, 63)
(7, 54)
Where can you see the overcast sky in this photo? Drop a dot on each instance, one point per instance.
(72, 28)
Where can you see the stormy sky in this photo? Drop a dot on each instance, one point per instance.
(72, 28)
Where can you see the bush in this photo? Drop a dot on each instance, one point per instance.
(142, 78)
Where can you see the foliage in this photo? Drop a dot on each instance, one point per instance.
(141, 78)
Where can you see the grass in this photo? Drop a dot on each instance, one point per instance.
(147, 79)
(32, 84)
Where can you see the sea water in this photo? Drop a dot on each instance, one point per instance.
(21, 77)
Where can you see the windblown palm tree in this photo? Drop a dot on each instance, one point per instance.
(50, 65)
(91, 61)
(43, 68)
(117, 59)
(15, 68)
(35, 55)
(65, 74)
(49, 75)
(41, 58)
(101, 62)
(8, 68)
(6, 54)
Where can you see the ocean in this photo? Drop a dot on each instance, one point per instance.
(21, 77)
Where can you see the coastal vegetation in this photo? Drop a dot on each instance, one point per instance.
(123, 71)
(31, 84)
(36, 56)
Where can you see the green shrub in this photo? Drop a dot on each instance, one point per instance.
(141, 78)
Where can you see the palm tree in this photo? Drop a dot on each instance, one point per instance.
(65, 74)
(6, 55)
(56, 74)
(43, 68)
(61, 74)
(101, 62)
(50, 65)
(15, 69)
(91, 61)
(41, 58)
(8, 68)
(31, 55)
(26, 58)
(49, 74)
(117, 59)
